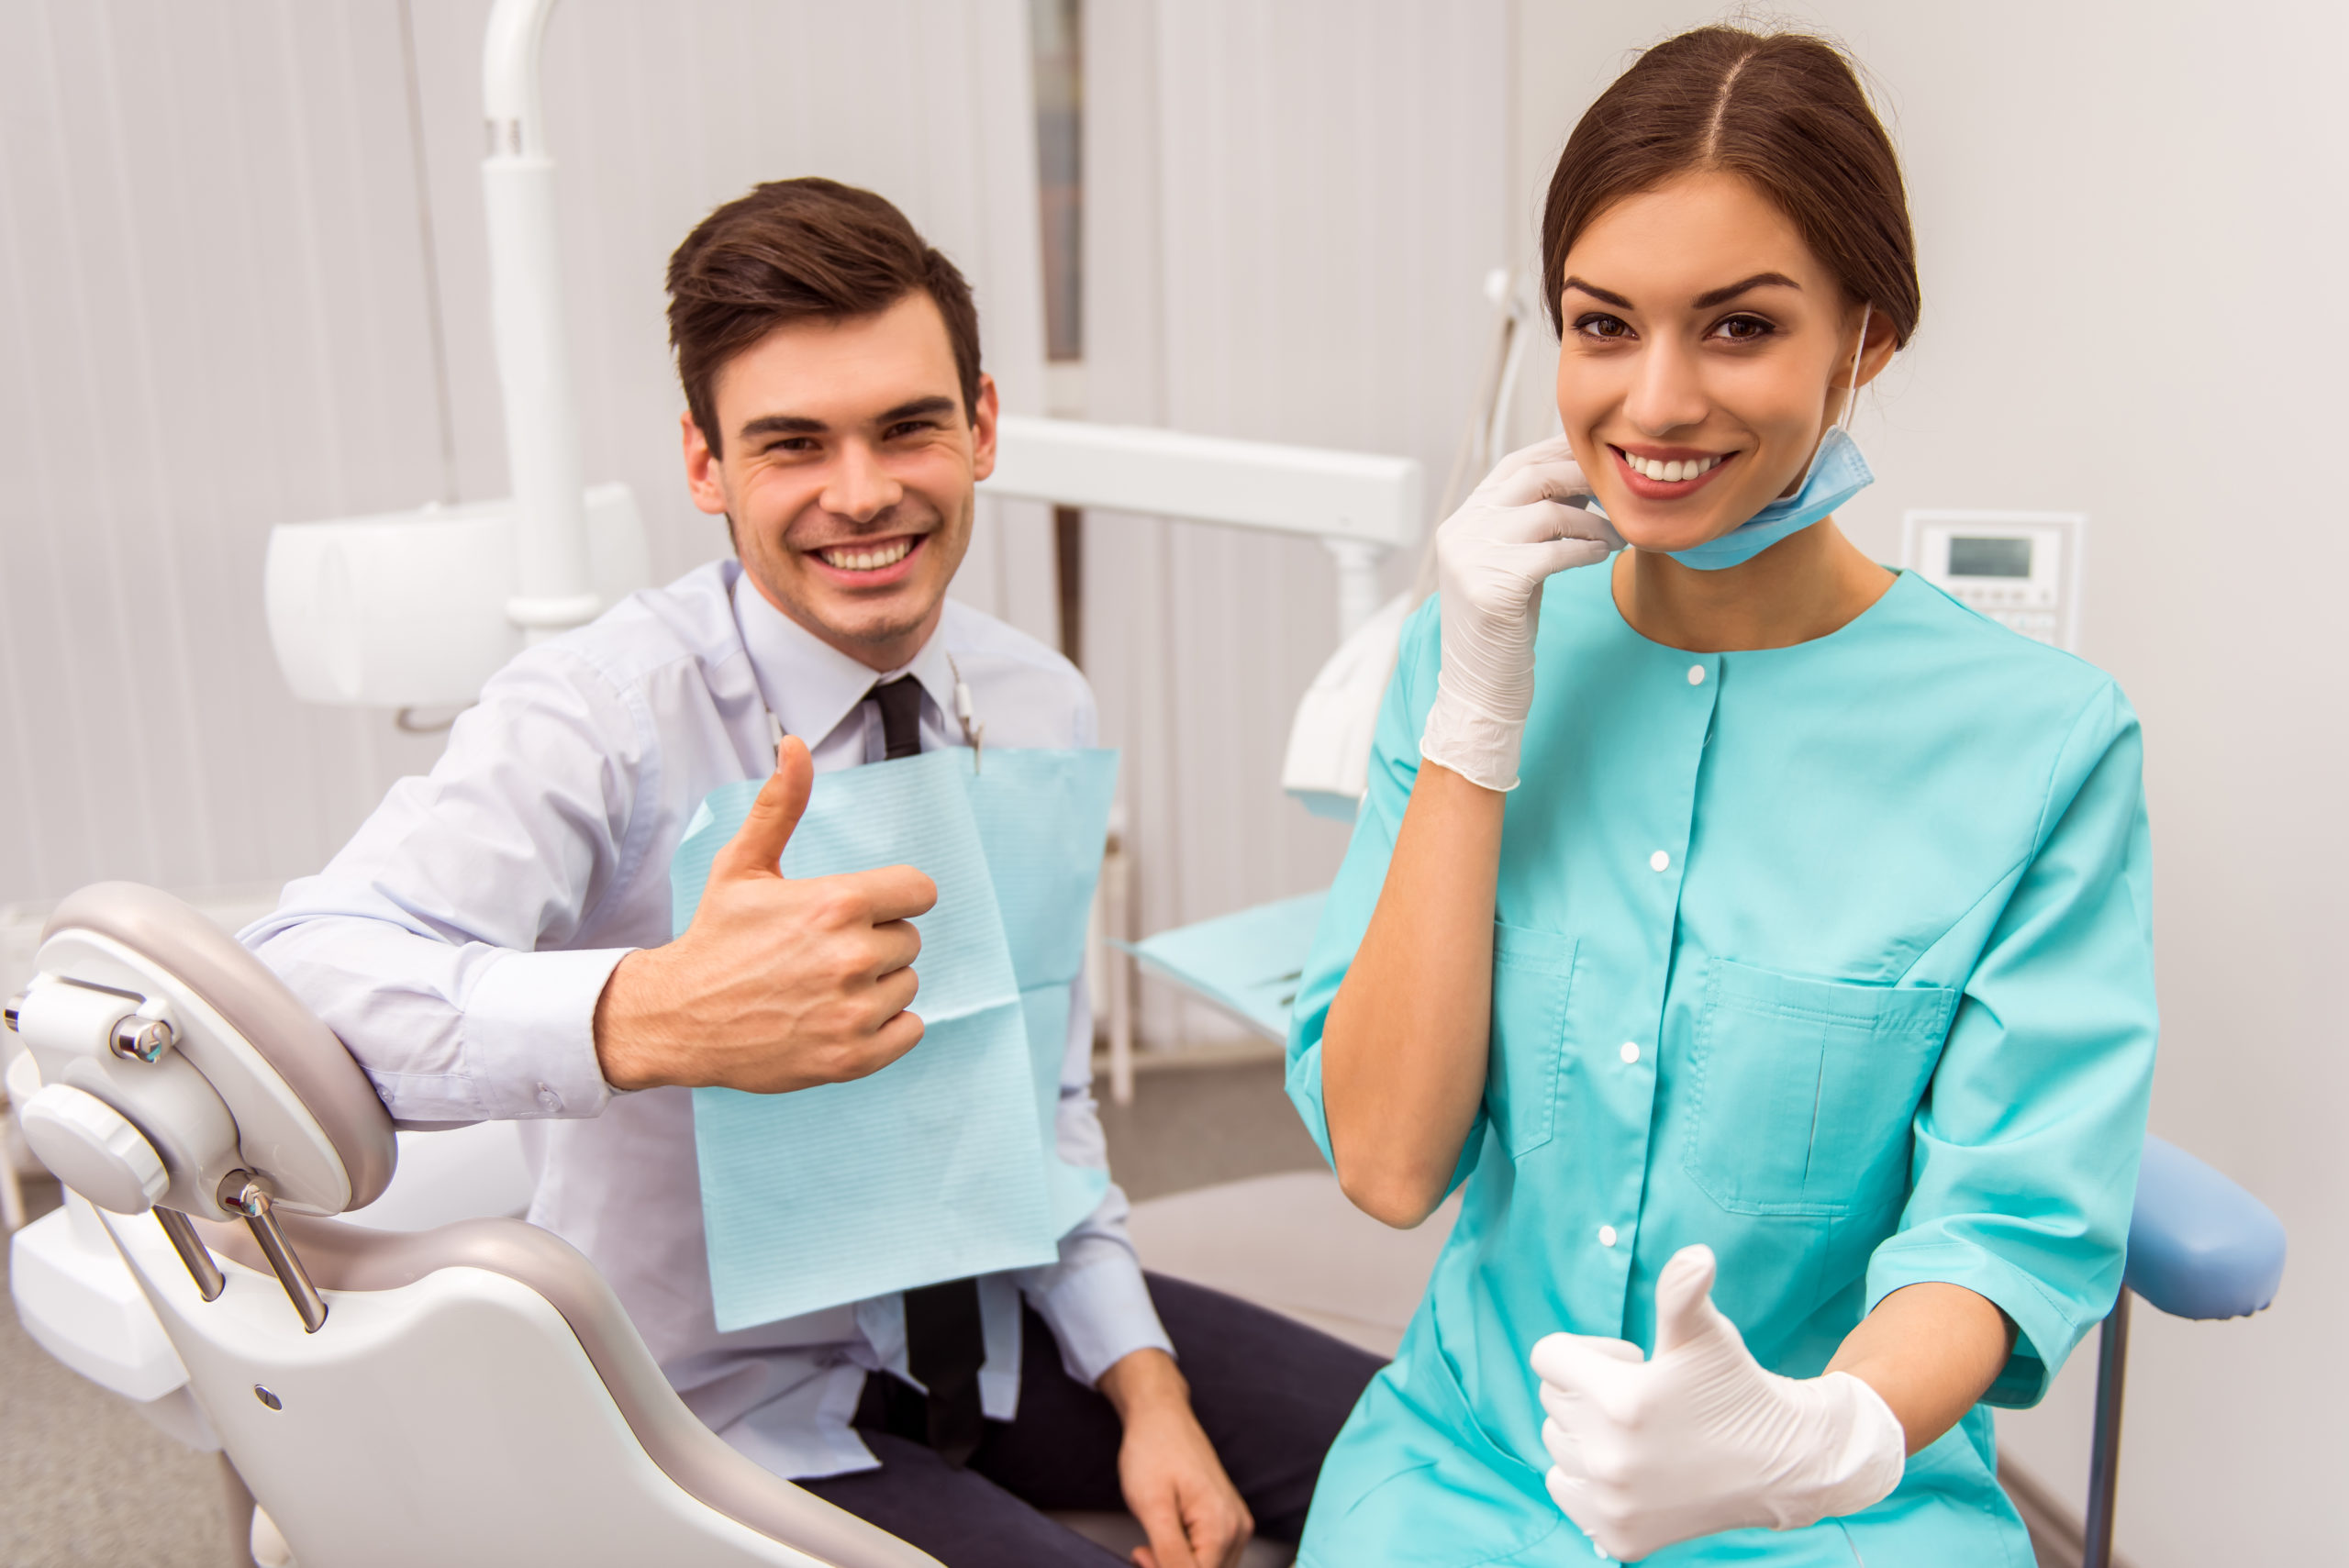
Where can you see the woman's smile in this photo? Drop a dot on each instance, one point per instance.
(1667, 473)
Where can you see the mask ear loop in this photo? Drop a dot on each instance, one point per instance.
(1851, 393)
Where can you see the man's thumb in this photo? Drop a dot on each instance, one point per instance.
(1683, 1298)
(758, 844)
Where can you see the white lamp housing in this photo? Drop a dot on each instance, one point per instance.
(409, 609)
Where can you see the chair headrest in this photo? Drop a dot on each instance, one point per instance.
(298, 1110)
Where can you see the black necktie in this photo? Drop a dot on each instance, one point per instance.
(900, 704)
(945, 1342)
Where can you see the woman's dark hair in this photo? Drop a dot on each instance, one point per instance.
(795, 249)
(1785, 111)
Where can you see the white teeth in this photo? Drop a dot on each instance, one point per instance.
(1670, 472)
(867, 560)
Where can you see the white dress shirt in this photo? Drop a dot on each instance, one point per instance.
(458, 942)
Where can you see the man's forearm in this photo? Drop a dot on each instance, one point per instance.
(1145, 1382)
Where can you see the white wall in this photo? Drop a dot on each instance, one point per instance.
(1290, 210)
(2131, 221)
(222, 232)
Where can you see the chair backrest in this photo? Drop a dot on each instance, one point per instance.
(474, 1394)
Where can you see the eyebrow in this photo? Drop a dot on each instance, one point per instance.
(1760, 280)
(1605, 296)
(801, 425)
(1705, 301)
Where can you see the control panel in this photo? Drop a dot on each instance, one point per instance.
(2020, 569)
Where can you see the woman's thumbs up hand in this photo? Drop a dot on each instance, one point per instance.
(779, 983)
(1699, 1437)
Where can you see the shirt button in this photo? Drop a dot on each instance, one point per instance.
(1695, 674)
(1606, 1236)
(1659, 862)
(1631, 1051)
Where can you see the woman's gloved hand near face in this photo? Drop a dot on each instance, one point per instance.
(1700, 1438)
(1492, 555)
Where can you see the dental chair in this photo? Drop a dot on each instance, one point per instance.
(467, 1395)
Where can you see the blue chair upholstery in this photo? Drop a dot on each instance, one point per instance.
(2199, 1246)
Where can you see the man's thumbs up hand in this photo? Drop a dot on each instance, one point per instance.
(778, 983)
(757, 846)
(1699, 1437)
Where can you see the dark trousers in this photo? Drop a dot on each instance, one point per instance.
(1270, 1392)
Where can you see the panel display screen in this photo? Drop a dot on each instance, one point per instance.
(1989, 557)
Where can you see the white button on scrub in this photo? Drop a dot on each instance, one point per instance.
(1631, 1051)
(1695, 674)
(1660, 861)
(1606, 1236)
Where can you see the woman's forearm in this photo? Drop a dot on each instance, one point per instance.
(1403, 1054)
(1930, 1352)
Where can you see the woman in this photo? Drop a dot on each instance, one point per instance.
(1761, 937)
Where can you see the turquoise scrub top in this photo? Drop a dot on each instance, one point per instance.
(1836, 958)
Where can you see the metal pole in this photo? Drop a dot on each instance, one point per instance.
(2104, 1455)
(555, 589)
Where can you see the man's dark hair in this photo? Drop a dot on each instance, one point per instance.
(794, 249)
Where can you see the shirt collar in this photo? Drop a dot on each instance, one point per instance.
(809, 686)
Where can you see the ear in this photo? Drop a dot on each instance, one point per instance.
(704, 475)
(983, 419)
(1877, 348)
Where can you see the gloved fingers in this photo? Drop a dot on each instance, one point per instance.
(1564, 1448)
(1551, 1351)
(1549, 475)
(1685, 1313)
(1581, 1370)
(1578, 1497)
(1574, 1410)
(1565, 555)
(1549, 449)
(1542, 522)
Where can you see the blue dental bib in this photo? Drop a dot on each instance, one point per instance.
(943, 1165)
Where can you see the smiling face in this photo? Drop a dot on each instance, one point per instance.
(1705, 352)
(847, 472)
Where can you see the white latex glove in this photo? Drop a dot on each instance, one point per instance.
(1700, 1438)
(1491, 556)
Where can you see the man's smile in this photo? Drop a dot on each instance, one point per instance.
(868, 563)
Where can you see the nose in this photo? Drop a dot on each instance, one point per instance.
(1667, 393)
(860, 487)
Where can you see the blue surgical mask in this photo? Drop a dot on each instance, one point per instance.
(1837, 474)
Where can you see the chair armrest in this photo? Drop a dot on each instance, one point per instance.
(2199, 1246)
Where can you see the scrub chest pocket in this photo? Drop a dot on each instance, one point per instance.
(1804, 1090)
(1533, 972)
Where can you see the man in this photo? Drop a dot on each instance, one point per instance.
(494, 943)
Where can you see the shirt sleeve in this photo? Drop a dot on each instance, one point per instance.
(2027, 1143)
(1094, 1299)
(433, 944)
(1394, 769)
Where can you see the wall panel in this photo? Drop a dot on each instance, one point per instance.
(210, 321)
(1290, 210)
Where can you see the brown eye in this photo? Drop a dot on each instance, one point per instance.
(1599, 325)
(1744, 328)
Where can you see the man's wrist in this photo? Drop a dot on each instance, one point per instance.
(1145, 1382)
(626, 1048)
